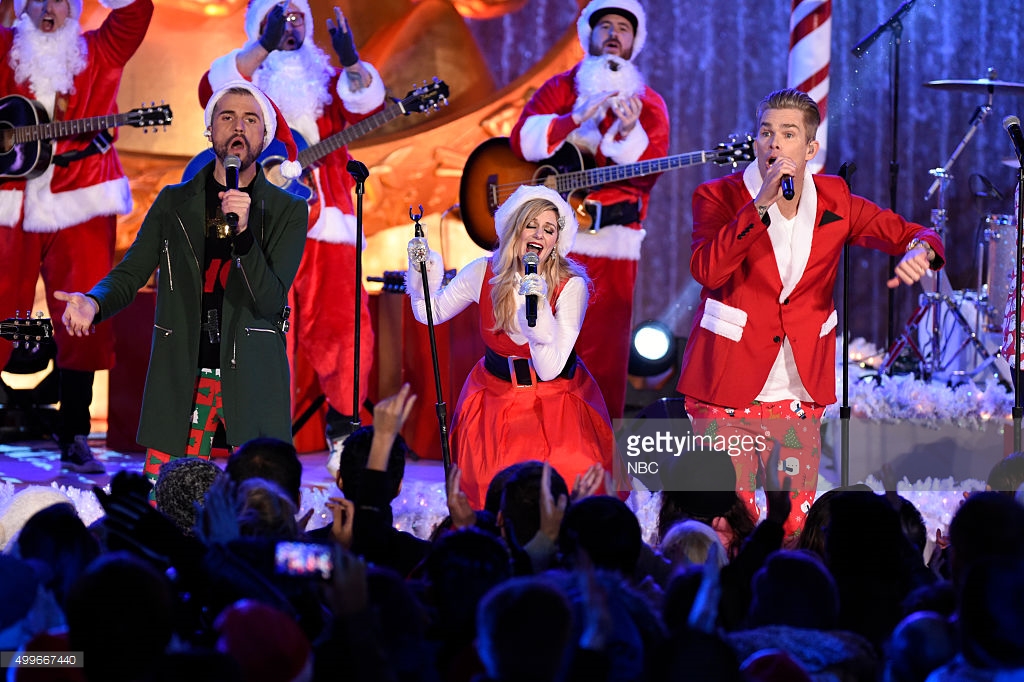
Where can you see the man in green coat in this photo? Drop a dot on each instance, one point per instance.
(226, 260)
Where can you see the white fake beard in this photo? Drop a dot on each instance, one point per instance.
(48, 61)
(595, 75)
(607, 72)
(297, 81)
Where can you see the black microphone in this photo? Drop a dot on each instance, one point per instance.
(1012, 125)
(788, 190)
(231, 166)
(530, 262)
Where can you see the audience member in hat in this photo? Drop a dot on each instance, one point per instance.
(22, 506)
(604, 107)
(62, 224)
(224, 362)
(180, 488)
(317, 100)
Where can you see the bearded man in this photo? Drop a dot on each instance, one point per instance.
(603, 106)
(62, 223)
(317, 101)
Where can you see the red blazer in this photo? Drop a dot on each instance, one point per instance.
(738, 328)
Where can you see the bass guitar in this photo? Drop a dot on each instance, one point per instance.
(493, 172)
(27, 134)
(424, 99)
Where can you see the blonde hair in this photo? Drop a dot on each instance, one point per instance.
(791, 98)
(689, 541)
(506, 264)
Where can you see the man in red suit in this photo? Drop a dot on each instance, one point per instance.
(759, 365)
(603, 106)
(317, 100)
(63, 222)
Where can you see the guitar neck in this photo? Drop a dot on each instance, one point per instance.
(310, 155)
(56, 129)
(569, 182)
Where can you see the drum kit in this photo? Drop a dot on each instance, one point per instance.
(947, 333)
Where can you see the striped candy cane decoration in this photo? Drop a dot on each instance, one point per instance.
(810, 50)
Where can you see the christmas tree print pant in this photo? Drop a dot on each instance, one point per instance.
(795, 425)
(207, 413)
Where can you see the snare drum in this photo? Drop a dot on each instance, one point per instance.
(1000, 238)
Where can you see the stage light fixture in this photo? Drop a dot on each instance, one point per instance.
(652, 349)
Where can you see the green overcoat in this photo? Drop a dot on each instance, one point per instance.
(253, 361)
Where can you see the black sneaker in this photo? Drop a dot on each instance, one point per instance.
(79, 458)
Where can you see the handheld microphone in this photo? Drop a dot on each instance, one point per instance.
(788, 190)
(231, 166)
(1012, 125)
(530, 262)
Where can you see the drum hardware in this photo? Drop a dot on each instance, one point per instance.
(934, 355)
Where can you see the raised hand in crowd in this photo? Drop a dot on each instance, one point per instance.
(217, 520)
(389, 415)
(552, 511)
(589, 482)
(463, 515)
(343, 520)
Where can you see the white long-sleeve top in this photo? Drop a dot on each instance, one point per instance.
(551, 341)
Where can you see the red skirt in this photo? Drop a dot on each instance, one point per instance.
(563, 422)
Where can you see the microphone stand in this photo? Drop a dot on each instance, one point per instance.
(359, 173)
(895, 23)
(1018, 406)
(420, 255)
(845, 171)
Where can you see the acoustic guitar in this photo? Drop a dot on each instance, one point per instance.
(27, 134)
(424, 99)
(493, 172)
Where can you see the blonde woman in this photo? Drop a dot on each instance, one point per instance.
(529, 397)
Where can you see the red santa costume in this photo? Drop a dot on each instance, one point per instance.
(316, 101)
(759, 364)
(609, 251)
(529, 397)
(63, 222)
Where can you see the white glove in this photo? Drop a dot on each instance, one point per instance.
(533, 285)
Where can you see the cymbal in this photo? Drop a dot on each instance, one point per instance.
(978, 85)
(1011, 161)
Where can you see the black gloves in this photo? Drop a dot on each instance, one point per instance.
(344, 44)
(273, 30)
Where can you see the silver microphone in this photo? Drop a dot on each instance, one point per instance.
(418, 250)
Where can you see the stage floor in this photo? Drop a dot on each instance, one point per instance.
(38, 463)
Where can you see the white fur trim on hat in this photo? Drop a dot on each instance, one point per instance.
(258, 9)
(584, 29)
(266, 108)
(566, 236)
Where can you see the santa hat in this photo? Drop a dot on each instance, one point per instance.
(76, 8)
(566, 217)
(257, 10)
(16, 512)
(274, 125)
(267, 643)
(631, 9)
